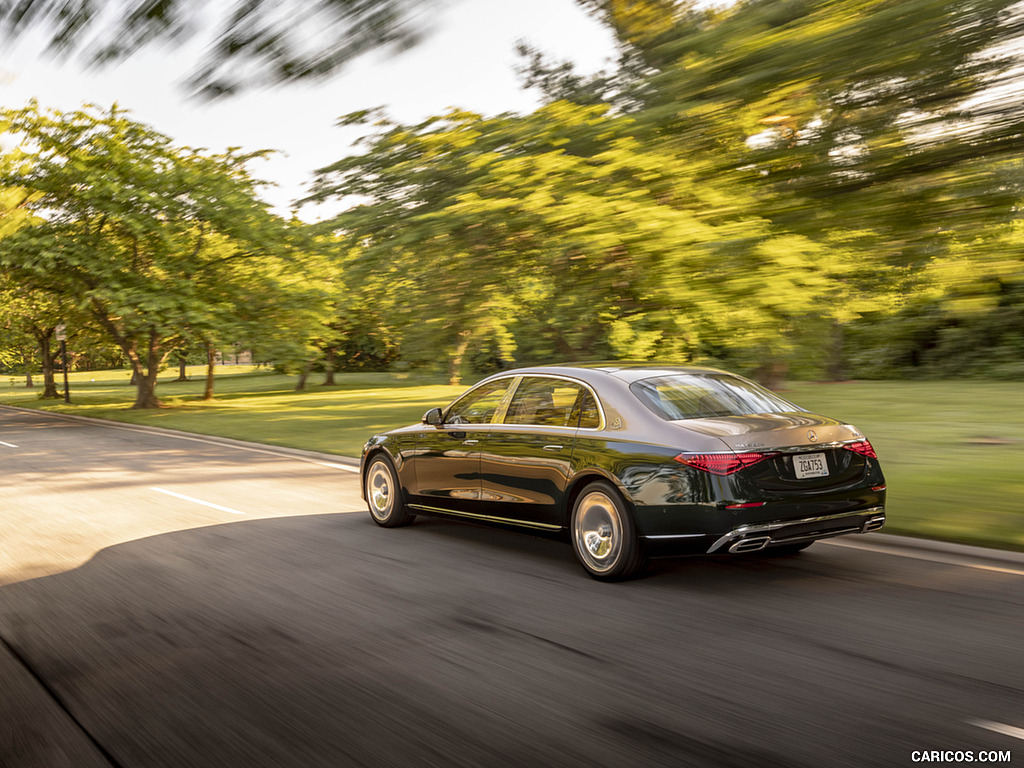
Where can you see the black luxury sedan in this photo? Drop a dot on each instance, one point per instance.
(632, 461)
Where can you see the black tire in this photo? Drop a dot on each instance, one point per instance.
(603, 535)
(384, 494)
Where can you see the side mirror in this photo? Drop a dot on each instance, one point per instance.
(433, 417)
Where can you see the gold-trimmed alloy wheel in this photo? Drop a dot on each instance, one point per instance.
(604, 538)
(384, 494)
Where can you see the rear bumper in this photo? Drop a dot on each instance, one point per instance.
(751, 538)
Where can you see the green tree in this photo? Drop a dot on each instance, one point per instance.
(143, 235)
(34, 315)
(880, 115)
(561, 235)
(886, 128)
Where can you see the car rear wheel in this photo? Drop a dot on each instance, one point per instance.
(384, 495)
(604, 538)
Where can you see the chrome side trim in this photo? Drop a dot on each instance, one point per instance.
(487, 518)
(675, 536)
(812, 447)
(747, 530)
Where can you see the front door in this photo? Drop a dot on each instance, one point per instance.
(446, 458)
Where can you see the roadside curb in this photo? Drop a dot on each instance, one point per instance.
(946, 548)
(230, 441)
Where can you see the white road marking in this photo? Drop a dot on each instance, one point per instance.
(931, 557)
(9, 445)
(196, 501)
(337, 466)
(1006, 730)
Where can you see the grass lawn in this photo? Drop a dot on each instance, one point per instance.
(953, 452)
(254, 405)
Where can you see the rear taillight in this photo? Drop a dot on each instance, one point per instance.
(863, 447)
(721, 463)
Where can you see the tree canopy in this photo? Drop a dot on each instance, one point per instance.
(749, 182)
(155, 242)
(810, 187)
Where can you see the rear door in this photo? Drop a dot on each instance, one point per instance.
(525, 461)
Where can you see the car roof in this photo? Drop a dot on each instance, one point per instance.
(627, 371)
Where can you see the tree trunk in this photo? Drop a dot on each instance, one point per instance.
(329, 367)
(836, 370)
(29, 384)
(301, 383)
(208, 392)
(44, 337)
(456, 357)
(771, 375)
(182, 373)
(146, 382)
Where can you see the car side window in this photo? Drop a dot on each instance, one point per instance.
(478, 406)
(585, 412)
(544, 402)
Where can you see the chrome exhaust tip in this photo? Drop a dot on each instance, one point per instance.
(753, 544)
(874, 523)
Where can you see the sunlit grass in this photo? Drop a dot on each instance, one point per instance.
(953, 452)
(255, 405)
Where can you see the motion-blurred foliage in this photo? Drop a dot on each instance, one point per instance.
(811, 188)
(820, 188)
(249, 43)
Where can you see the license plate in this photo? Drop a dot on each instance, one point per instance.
(810, 465)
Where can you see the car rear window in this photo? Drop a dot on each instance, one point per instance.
(705, 396)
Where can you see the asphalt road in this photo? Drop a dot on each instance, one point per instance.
(141, 626)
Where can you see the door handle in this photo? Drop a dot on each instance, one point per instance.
(470, 442)
(552, 447)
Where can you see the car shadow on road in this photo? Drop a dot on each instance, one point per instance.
(325, 640)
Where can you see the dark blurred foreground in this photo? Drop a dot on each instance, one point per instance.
(325, 641)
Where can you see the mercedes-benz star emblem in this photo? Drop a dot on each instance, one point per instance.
(812, 435)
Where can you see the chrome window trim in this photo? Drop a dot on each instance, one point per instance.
(533, 428)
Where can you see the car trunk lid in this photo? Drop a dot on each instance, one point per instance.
(805, 450)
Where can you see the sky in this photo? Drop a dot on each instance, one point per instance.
(467, 62)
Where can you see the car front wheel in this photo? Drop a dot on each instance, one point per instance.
(384, 495)
(603, 535)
